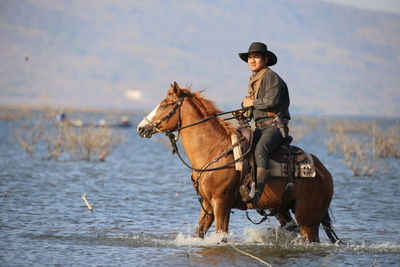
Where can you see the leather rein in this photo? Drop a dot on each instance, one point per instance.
(174, 140)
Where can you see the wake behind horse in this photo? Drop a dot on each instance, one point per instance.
(205, 142)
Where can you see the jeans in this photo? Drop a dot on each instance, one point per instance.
(269, 139)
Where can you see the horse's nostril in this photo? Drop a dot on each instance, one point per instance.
(143, 132)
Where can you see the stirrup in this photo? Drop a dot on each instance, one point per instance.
(247, 195)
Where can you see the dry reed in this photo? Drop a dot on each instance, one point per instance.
(357, 160)
(59, 138)
(362, 143)
(351, 126)
(387, 142)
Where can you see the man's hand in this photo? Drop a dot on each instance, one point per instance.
(247, 102)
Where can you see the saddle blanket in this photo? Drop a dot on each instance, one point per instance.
(304, 169)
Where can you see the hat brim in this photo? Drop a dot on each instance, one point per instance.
(272, 59)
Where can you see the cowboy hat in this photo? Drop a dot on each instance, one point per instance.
(258, 47)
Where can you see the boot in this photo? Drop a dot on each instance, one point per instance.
(262, 177)
(255, 191)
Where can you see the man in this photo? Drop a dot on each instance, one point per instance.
(268, 97)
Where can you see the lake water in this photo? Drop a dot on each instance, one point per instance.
(145, 212)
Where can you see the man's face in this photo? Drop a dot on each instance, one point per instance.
(256, 61)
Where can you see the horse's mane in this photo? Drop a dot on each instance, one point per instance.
(207, 108)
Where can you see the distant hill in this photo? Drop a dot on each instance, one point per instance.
(335, 59)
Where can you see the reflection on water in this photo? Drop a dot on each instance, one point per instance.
(145, 212)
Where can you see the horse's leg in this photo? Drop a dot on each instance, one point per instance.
(286, 221)
(222, 216)
(309, 211)
(204, 223)
(312, 206)
(310, 232)
(309, 216)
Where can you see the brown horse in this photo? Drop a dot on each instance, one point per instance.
(205, 142)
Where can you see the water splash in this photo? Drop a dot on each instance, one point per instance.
(376, 248)
(272, 236)
(211, 239)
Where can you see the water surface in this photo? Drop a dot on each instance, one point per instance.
(145, 212)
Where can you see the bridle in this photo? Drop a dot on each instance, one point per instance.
(174, 140)
(177, 106)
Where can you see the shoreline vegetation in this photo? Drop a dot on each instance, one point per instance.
(12, 112)
(360, 142)
(363, 143)
(41, 134)
(6, 109)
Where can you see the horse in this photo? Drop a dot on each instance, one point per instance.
(205, 140)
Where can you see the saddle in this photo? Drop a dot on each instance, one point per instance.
(287, 161)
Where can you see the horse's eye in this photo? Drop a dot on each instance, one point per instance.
(166, 103)
(163, 104)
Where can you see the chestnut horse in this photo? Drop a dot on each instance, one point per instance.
(206, 141)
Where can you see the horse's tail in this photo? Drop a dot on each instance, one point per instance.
(327, 224)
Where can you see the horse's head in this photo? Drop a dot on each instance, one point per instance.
(165, 115)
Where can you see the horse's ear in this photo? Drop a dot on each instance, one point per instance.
(175, 88)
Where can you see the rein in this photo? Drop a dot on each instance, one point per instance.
(207, 119)
(175, 150)
(174, 140)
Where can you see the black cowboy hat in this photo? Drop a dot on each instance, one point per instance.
(258, 47)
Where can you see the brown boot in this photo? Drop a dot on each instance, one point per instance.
(262, 177)
(255, 192)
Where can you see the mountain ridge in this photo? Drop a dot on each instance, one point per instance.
(335, 59)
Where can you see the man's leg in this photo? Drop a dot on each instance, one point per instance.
(270, 141)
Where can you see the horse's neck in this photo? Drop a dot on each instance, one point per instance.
(202, 142)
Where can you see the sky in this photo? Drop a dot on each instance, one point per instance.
(125, 53)
(381, 5)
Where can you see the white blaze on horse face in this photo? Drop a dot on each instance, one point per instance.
(148, 118)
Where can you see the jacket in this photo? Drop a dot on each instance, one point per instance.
(272, 96)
